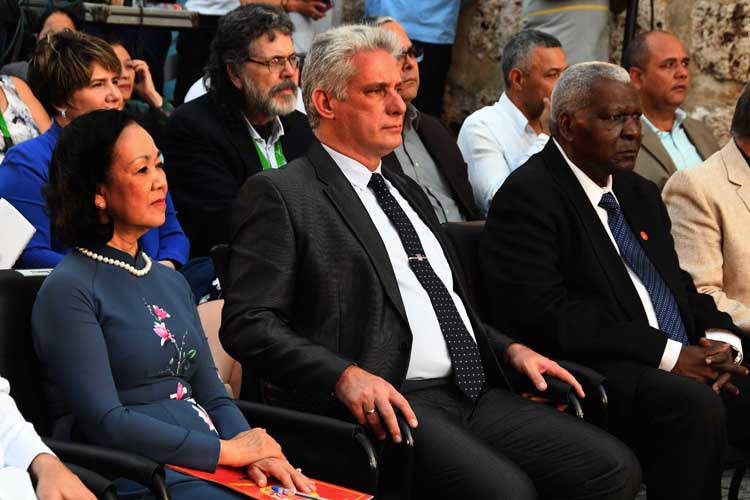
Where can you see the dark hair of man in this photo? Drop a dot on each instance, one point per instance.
(740, 128)
(517, 51)
(62, 63)
(82, 160)
(636, 54)
(74, 17)
(231, 46)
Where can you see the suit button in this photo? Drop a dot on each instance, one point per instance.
(403, 346)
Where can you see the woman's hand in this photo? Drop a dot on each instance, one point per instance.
(282, 470)
(143, 86)
(314, 9)
(248, 447)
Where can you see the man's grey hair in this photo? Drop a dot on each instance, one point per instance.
(574, 88)
(328, 65)
(378, 21)
(517, 52)
(740, 128)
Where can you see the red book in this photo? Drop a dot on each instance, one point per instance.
(237, 480)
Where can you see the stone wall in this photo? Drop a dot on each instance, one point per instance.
(715, 33)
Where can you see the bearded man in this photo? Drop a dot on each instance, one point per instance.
(246, 123)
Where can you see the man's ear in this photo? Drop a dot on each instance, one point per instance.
(233, 76)
(565, 127)
(516, 79)
(323, 104)
(636, 76)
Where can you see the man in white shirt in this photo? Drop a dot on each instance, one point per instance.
(579, 262)
(22, 452)
(498, 139)
(343, 294)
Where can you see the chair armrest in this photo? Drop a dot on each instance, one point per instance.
(558, 392)
(274, 417)
(593, 382)
(113, 463)
(100, 486)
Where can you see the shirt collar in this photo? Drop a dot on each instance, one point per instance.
(679, 118)
(594, 191)
(355, 172)
(411, 119)
(276, 132)
(517, 119)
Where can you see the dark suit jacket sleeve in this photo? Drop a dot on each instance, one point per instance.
(531, 294)
(200, 181)
(257, 326)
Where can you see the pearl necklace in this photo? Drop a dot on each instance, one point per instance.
(107, 260)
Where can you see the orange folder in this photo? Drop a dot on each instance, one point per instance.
(237, 480)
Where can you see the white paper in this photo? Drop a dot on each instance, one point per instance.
(15, 233)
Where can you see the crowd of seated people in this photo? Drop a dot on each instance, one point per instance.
(342, 292)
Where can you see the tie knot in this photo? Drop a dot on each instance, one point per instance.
(377, 183)
(609, 203)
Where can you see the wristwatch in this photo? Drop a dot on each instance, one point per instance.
(737, 355)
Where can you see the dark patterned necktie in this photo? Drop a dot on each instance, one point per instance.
(667, 312)
(467, 363)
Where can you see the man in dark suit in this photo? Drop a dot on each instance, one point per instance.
(428, 153)
(341, 292)
(245, 124)
(579, 262)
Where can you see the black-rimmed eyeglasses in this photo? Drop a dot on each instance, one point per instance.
(413, 51)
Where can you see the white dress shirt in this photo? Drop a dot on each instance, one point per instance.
(19, 445)
(267, 147)
(429, 352)
(594, 193)
(495, 141)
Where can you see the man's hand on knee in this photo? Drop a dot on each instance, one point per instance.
(371, 400)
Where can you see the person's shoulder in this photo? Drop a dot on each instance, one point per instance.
(197, 110)
(33, 154)
(73, 272)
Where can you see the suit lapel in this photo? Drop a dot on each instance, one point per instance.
(347, 203)
(239, 136)
(705, 146)
(609, 260)
(738, 171)
(653, 145)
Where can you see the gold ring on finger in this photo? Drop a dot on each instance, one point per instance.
(370, 412)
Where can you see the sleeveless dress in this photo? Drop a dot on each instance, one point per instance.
(17, 115)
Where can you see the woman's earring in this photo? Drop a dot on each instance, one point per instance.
(62, 113)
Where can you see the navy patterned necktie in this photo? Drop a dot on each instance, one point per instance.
(667, 312)
(467, 363)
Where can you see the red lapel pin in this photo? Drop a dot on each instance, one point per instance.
(644, 236)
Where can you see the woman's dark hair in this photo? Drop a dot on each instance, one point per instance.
(73, 15)
(81, 161)
(62, 63)
(235, 32)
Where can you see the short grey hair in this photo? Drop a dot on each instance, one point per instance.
(517, 52)
(328, 65)
(574, 88)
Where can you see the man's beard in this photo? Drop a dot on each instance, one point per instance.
(264, 103)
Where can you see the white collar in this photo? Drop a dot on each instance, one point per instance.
(276, 132)
(679, 118)
(518, 121)
(594, 191)
(355, 172)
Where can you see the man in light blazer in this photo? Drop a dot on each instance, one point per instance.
(710, 211)
(659, 68)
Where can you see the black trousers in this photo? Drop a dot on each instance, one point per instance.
(433, 73)
(679, 428)
(507, 447)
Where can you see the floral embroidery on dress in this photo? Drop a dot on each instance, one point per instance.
(180, 363)
(181, 391)
(203, 414)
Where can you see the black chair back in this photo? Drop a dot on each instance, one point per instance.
(18, 361)
(464, 239)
